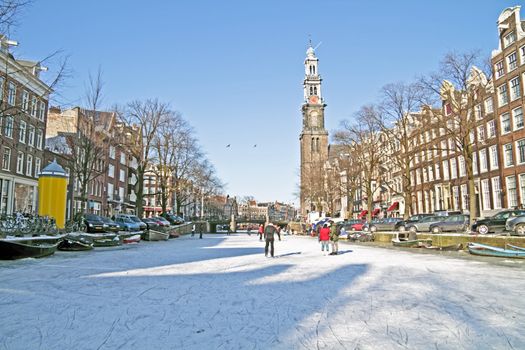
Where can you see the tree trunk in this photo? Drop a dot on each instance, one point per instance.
(140, 191)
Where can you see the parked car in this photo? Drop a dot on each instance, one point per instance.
(423, 225)
(162, 222)
(94, 223)
(151, 223)
(401, 225)
(126, 224)
(345, 227)
(516, 225)
(111, 226)
(358, 226)
(173, 219)
(453, 223)
(386, 224)
(495, 223)
(142, 226)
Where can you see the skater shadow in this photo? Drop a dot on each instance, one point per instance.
(344, 251)
(287, 254)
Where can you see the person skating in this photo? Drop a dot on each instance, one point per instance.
(261, 231)
(193, 230)
(334, 238)
(269, 232)
(324, 237)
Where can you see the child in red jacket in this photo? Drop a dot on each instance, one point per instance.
(324, 237)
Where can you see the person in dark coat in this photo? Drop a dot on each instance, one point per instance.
(269, 232)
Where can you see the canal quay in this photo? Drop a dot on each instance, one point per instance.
(221, 292)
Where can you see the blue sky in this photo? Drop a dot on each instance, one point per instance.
(234, 69)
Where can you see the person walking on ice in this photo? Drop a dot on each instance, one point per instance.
(269, 232)
(334, 238)
(261, 231)
(324, 237)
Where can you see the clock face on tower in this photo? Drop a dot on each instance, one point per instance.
(313, 99)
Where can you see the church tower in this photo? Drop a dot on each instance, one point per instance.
(313, 138)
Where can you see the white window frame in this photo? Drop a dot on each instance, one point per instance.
(6, 156)
(453, 169)
(483, 161)
(503, 95)
(20, 163)
(11, 93)
(38, 164)
(512, 192)
(29, 165)
(31, 135)
(22, 132)
(485, 192)
(515, 88)
(9, 126)
(493, 156)
(446, 174)
(512, 61)
(499, 69)
(506, 161)
(25, 101)
(111, 170)
(505, 116)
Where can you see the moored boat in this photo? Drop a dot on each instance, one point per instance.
(452, 247)
(16, 249)
(69, 244)
(130, 239)
(414, 243)
(152, 235)
(514, 247)
(487, 250)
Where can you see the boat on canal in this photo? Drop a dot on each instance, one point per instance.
(488, 250)
(12, 249)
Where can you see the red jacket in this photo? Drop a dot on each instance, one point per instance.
(324, 234)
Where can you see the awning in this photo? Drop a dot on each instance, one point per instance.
(376, 211)
(157, 209)
(394, 206)
(361, 214)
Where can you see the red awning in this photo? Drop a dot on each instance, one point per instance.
(157, 209)
(394, 206)
(376, 211)
(361, 214)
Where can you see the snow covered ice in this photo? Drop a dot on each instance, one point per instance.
(220, 292)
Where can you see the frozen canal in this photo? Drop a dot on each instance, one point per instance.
(222, 293)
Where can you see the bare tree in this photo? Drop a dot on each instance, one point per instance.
(9, 13)
(145, 117)
(364, 140)
(460, 86)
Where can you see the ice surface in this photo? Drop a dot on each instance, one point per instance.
(220, 292)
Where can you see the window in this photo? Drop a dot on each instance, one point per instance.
(520, 148)
(496, 192)
(34, 106)
(22, 132)
(481, 133)
(517, 116)
(491, 127)
(2, 81)
(485, 190)
(443, 148)
(122, 177)
(111, 170)
(477, 112)
(493, 154)
(522, 54)
(455, 197)
(20, 163)
(512, 61)
(522, 189)
(474, 163)
(483, 164)
(425, 175)
(453, 168)
(31, 135)
(499, 69)
(418, 176)
(515, 91)
(505, 123)
(8, 128)
(503, 95)
(451, 145)
(25, 101)
(111, 152)
(507, 155)
(122, 158)
(464, 197)
(462, 166)
(489, 105)
(37, 166)
(121, 193)
(6, 159)
(39, 139)
(512, 194)
(445, 170)
(29, 165)
(41, 110)
(11, 94)
(509, 39)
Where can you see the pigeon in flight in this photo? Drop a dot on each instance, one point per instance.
(255, 145)
(228, 145)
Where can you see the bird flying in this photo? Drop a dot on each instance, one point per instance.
(228, 145)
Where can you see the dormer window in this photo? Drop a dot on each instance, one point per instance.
(509, 39)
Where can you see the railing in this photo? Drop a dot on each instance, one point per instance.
(26, 225)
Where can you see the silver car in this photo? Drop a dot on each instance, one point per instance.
(423, 225)
(515, 225)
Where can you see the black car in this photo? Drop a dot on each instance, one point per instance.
(173, 219)
(94, 223)
(401, 226)
(495, 223)
(111, 226)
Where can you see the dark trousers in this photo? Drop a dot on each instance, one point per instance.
(200, 235)
(269, 242)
